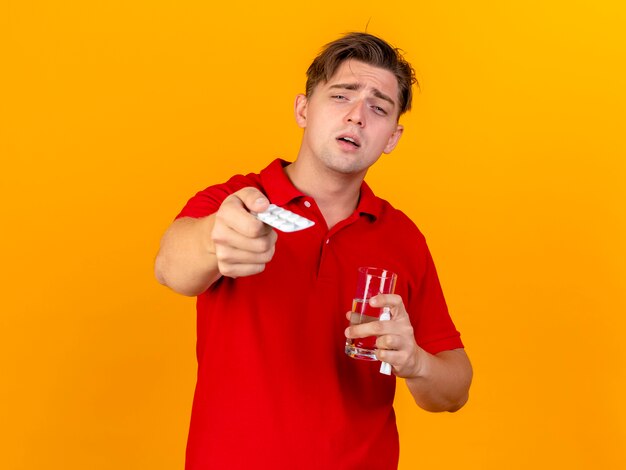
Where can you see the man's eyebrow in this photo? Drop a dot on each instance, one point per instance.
(357, 86)
(382, 96)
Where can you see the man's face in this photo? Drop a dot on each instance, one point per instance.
(350, 120)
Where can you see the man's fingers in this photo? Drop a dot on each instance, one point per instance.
(243, 244)
(389, 342)
(233, 255)
(238, 255)
(253, 199)
(361, 328)
(393, 301)
(225, 236)
(233, 214)
(240, 270)
(393, 357)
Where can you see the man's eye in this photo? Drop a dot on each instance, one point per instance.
(379, 110)
(339, 97)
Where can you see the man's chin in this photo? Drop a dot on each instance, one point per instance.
(345, 166)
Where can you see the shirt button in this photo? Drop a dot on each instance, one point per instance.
(307, 204)
(327, 241)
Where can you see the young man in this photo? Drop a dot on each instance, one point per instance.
(275, 388)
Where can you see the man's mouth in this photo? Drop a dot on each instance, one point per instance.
(350, 140)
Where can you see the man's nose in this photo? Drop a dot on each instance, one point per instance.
(356, 114)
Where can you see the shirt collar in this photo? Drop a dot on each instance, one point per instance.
(281, 191)
(277, 185)
(369, 203)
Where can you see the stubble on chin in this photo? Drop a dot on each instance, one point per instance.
(341, 164)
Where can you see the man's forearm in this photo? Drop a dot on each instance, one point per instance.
(443, 382)
(186, 262)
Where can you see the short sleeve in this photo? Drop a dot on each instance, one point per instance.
(208, 201)
(433, 326)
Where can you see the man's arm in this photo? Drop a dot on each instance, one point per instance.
(438, 382)
(443, 380)
(186, 260)
(194, 253)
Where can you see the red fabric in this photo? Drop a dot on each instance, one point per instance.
(275, 388)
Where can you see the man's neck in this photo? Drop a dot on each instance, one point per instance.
(336, 194)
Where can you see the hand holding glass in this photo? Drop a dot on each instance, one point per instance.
(371, 282)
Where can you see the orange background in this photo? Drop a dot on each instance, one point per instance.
(513, 163)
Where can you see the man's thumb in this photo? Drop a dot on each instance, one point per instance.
(253, 199)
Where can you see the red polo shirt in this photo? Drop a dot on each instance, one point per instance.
(275, 389)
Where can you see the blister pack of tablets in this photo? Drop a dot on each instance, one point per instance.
(283, 219)
(385, 368)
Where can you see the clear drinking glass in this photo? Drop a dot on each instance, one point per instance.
(371, 282)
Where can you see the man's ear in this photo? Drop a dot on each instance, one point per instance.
(393, 139)
(300, 109)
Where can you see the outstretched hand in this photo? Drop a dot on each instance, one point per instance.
(243, 245)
